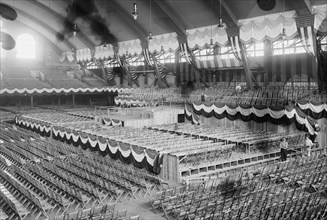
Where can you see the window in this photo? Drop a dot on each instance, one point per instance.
(226, 52)
(91, 65)
(292, 46)
(203, 54)
(136, 61)
(110, 63)
(324, 44)
(167, 57)
(26, 46)
(255, 50)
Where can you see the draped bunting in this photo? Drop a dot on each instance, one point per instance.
(62, 90)
(235, 44)
(185, 53)
(277, 115)
(315, 110)
(217, 62)
(147, 57)
(130, 102)
(268, 27)
(138, 156)
(103, 53)
(35, 125)
(307, 39)
(305, 23)
(112, 122)
(165, 41)
(131, 47)
(83, 55)
(110, 73)
(189, 115)
(200, 37)
(320, 22)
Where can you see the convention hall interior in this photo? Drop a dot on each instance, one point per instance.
(163, 110)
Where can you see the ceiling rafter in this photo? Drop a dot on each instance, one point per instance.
(308, 5)
(54, 46)
(171, 13)
(42, 24)
(84, 39)
(229, 18)
(229, 12)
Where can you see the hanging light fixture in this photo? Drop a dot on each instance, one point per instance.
(211, 40)
(150, 37)
(74, 29)
(74, 17)
(284, 33)
(284, 29)
(135, 13)
(162, 51)
(150, 33)
(221, 24)
(211, 45)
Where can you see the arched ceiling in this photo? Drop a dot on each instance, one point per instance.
(111, 20)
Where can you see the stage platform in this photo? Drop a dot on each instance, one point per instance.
(142, 116)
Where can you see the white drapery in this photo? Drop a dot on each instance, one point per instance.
(131, 47)
(200, 37)
(268, 27)
(62, 90)
(83, 55)
(320, 12)
(102, 52)
(165, 42)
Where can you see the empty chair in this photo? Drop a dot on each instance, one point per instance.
(121, 214)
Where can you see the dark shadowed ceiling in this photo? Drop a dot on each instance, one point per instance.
(111, 21)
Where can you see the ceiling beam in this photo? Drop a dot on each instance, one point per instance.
(40, 23)
(229, 12)
(129, 21)
(171, 13)
(54, 46)
(84, 39)
(308, 5)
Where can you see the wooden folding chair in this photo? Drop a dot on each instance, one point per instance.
(121, 214)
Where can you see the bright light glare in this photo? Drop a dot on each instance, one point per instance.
(26, 46)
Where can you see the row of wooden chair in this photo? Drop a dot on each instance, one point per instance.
(256, 197)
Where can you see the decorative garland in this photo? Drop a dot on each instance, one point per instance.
(62, 90)
(138, 156)
(277, 115)
(315, 110)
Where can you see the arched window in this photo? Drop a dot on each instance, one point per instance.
(26, 46)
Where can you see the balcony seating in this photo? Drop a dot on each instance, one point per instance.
(94, 82)
(25, 83)
(272, 95)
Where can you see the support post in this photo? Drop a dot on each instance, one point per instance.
(73, 99)
(32, 101)
(248, 72)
